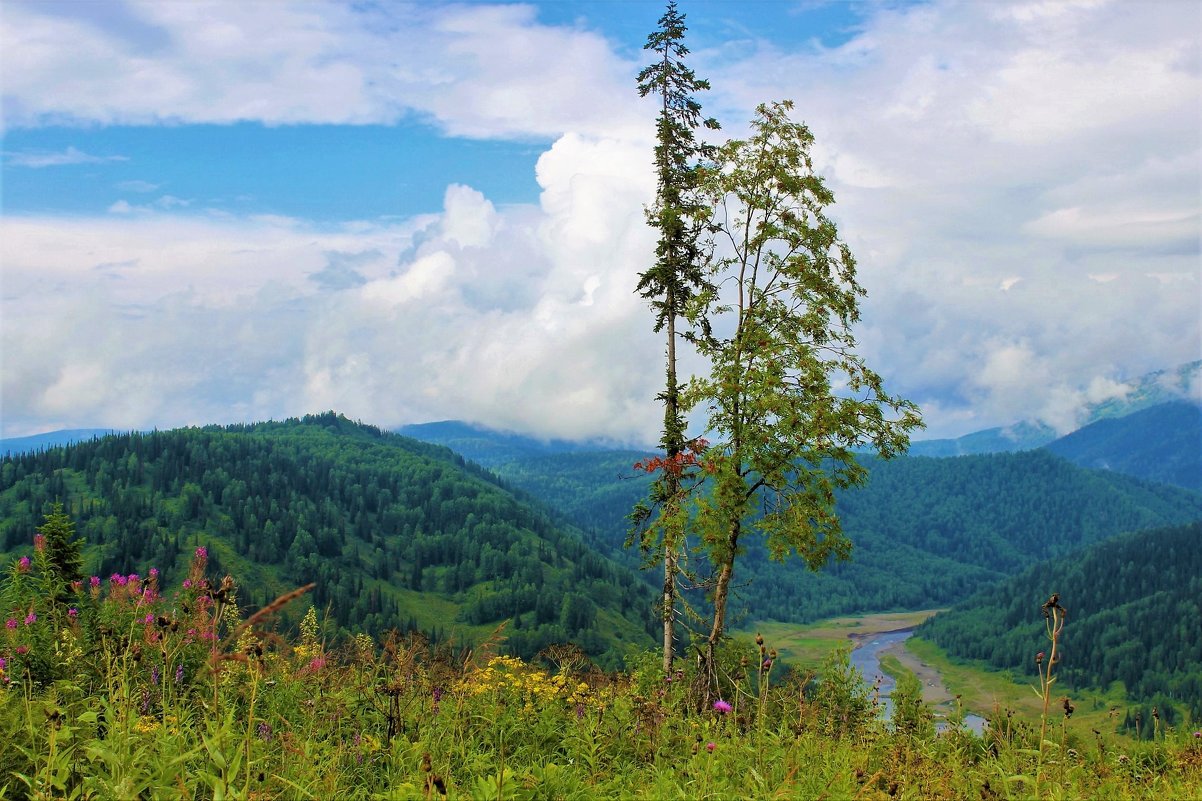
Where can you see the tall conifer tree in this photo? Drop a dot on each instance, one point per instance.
(672, 282)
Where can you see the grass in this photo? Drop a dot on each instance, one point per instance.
(986, 691)
(122, 689)
(808, 646)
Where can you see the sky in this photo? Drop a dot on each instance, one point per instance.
(219, 212)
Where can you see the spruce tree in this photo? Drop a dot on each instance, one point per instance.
(671, 283)
(64, 559)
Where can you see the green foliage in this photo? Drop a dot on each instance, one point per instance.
(395, 533)
(64, 559)
(928, 532)
(783, 287)
(670, 285)
(911, 717)
(846, 707)
(156, 711)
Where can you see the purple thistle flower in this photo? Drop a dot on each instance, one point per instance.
(30, 619)
(722, 707)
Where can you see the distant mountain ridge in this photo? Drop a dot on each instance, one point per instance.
(1159, 443)
(51, 439)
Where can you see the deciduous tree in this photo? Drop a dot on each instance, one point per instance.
(788, 398)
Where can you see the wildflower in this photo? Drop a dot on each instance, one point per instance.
(39, 542)
(202, 552)
(187, 584)
(148, 619)
(179, 673)
(154, 572)
(11, 623)
(264, 730)
(76, 585)
(30, 619)
(722, 707)
(317, 663)
(23, 564)
(22, 650)
(154, 675)
(1198, 735)
(73, 613)
(710, 747)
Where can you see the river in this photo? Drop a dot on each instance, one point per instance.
(866, 657)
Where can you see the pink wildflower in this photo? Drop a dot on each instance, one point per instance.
(39, 542)
(30, 619)
(202, 552)
(23, 564)
(73, 613)
(11, 623)
(95, 582)
(710, 747)
(722, 707)
(22, 650)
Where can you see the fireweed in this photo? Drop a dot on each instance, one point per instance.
(150, 690)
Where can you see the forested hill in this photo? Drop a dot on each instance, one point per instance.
(1160, 443)
(1134, 615)
(395, 532)
(926, 531)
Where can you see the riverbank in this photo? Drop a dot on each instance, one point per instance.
(806, 647)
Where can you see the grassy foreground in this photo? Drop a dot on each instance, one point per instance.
(120, 689)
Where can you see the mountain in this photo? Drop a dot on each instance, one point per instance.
(51, 439)
(396, 532)
(1159, 443)
(488, 447)
(1023, 436)
(1152, 389)
(1134, 615)
(927, 531)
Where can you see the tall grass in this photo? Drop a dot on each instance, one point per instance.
(120, 689)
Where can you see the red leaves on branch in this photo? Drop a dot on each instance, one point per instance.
(676, 465)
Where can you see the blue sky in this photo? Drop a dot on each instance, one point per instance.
(409, 212)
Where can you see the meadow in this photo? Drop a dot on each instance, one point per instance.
(119, 688)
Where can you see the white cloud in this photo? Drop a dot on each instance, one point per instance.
(67, 157)
(179, 320)
(1018, 181)
(474, 70)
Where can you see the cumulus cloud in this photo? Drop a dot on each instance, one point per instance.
(1018, 182)
(393, 323)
